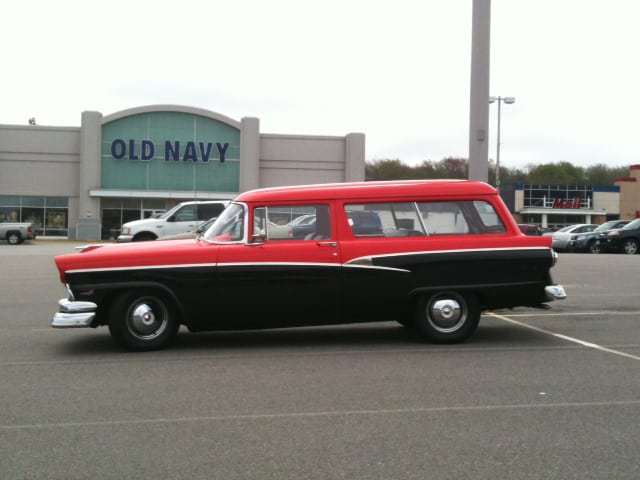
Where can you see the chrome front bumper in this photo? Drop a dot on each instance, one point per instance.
(124, 238)
(73, 314)
(555, 292)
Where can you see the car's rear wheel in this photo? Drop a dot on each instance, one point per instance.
(143, 320)
(447, 317)
(14, 238)
(594, 247)
(630, 246)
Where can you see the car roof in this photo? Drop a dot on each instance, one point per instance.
(386, 189)
(197, 202)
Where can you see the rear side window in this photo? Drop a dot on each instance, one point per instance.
(207, 211)
(423, 218)
(459, 218)
(384, 219)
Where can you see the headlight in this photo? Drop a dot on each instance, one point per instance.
(126, 230)
(581, 237)
(613, 233)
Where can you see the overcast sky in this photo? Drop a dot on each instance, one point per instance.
(396, 70)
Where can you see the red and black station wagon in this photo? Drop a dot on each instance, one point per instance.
(431, 255)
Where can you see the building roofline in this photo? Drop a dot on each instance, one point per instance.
(172, 108)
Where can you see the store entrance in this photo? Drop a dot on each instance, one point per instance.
(115, 212)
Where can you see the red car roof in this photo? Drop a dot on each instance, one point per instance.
(402, 188)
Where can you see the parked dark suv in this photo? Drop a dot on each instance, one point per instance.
(625, 239)
(589, 241)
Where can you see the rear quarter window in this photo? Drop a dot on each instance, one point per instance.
(403, 219)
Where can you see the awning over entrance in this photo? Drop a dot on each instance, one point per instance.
(190, 195)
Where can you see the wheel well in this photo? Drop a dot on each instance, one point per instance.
(17, 232)
(417, 294)
(107, 299)
(143, 235)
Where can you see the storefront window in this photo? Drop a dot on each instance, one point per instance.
(9, 201)
(35, 210)
(35, 216)
(56, 222)
(9, 214)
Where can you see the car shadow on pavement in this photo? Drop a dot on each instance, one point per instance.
(382, 336)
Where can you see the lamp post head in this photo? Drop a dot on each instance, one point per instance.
(509, 100)
(492, 99)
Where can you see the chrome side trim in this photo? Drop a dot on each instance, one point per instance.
(461, 250)
(276, 264)
(141, 267)
(375, 267)
(555, 292)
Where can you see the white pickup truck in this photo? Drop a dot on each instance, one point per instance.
(184, 217)
(16, 233)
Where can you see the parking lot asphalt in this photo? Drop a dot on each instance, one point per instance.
(535, 394)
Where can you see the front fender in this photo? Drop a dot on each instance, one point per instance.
(103, 294)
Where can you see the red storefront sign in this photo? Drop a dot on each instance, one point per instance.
(567, 202)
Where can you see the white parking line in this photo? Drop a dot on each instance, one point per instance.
(573, 314)
(566, 337)
(330, 413)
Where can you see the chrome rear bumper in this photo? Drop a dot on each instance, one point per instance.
(74, 314)
(555, 292)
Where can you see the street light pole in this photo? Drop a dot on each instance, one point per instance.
(509, 101)
(479, 91)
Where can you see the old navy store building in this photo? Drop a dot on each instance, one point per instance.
(85, 182)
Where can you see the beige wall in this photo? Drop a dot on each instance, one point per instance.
(608, 201)
(630, 193)
(301, 159)
(38, 160)
(519, 200)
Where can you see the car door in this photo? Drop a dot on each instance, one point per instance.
(183, 220)
(276, 280)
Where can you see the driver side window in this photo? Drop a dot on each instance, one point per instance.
(298, 222)
(186, 214)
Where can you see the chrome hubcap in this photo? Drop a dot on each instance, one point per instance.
(630, 247)
(446, 314)
(147, 318)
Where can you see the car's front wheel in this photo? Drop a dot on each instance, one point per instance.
(447, 317)
(143, 320)
(630, 246)
(594, 247)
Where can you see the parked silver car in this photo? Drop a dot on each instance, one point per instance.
(16, 233)
(562, 238)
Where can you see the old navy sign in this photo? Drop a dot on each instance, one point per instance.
(173, 150)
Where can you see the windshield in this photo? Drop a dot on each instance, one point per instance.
(229, 226)
(170, 212)
(606, 226)
(632, 225)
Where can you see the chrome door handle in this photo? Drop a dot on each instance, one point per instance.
(327, 244)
